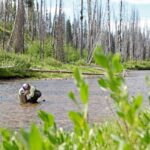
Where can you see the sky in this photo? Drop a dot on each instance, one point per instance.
(143, 7)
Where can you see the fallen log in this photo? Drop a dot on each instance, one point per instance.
(61, 71)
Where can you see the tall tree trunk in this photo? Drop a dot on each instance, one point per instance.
(50, 19)
(89, 25)
(41, 32)
(120, 27)
(16, 40)
(81, 34)
(108, 23)
(59, 38)
(4, 21)
(92, 28)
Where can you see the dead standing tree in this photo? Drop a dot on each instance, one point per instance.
(54, 31)
(4, 20)
(96, 28)
(59, 36)
(16, 40)
(75, 30)
(91, 29)
(81, 30)
(120, 27)
(108, 24)
(89, 25)
(41, 32)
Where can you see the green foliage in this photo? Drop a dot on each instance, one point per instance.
(52, 62)
(11, 59)
(7, 30)
(18, 63)
(138, 65)
(13, 65)
(72, 54)
(33, 48)
(130, 131)
(127, 110)
(81, 62)
(68, 32)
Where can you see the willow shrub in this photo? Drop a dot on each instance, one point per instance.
(131, 131)
(12, 64)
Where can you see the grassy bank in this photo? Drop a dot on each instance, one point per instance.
(137, 65)
(16, 66)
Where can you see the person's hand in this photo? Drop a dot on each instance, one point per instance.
(26, 93)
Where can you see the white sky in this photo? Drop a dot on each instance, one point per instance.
(143, 7)
(135, 1)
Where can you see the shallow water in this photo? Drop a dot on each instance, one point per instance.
(55, 92)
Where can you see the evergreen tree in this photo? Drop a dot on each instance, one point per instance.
(68, 32)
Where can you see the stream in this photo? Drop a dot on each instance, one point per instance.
(55, 92)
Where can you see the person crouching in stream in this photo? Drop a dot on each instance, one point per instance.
(28, 93)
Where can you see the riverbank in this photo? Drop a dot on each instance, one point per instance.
(27, 66)
(18, 66)
(137, 65)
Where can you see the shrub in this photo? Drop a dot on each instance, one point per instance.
(13, 64)
(52, 62)
(81, 62)
(138, 65)
(33, 48)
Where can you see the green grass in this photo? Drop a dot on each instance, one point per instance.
(15, 65)
(19, 63)
(137, 65)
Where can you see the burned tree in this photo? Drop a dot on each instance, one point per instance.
(16, 41)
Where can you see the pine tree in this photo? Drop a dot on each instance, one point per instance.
(68, 32)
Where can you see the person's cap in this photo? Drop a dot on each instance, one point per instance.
(26, 86)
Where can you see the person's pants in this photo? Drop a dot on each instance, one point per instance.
(34, 99)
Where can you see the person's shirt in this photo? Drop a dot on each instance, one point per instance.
(31, 91)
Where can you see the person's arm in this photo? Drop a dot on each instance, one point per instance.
(21, 91)
(26, 92)
(32, 89)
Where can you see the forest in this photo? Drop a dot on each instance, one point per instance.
(39, 42)
(45, 35)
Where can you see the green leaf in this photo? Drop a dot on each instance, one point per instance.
(84, 92)
(116, 63)
(103, 83)
(99, 136)
(35, 138)
(52, 138)
(47, 118)
(137, 102)
(8, 146)
(77, 76)
(100, 58)
(72, 97)
(5, 134)
(121, 114)
(76, 118)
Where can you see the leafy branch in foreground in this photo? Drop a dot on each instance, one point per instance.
(127, 109)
